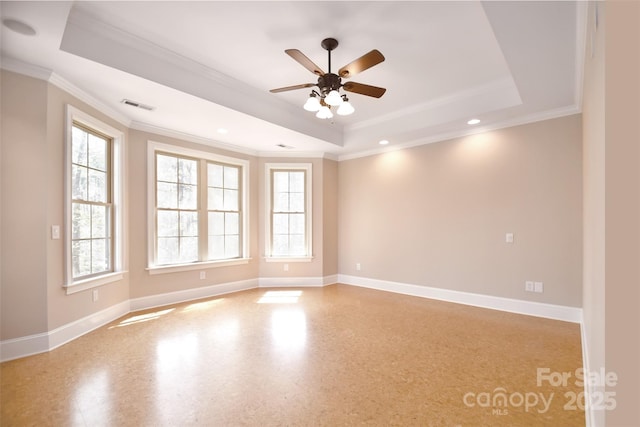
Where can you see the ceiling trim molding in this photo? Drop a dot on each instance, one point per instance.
(516, 121)
(40, 73)
(20, 67)
(501, 85)
(298, 154)
(183, 136)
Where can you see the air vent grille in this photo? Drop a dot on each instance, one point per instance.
(137, 104)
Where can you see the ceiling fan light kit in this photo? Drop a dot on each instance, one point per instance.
(329, 84)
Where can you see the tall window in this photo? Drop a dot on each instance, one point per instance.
(223, 195)
(94, 211)
(91, 204)
(289, 211)
(177, 209)
(197, 201)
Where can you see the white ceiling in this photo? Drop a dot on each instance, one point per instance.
(210, 64)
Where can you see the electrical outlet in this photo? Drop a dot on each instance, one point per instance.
(55, 232)
(538, 287)
(203, 275)
(286, 267)
(95, 295)
(508, 238)
(358, 267)
(529, 286)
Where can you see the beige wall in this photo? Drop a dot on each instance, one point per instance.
(24, 206)
(436, 215)
(622, 206)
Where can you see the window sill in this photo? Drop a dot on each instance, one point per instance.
(288, 259)
(94, 282)
(175, 268)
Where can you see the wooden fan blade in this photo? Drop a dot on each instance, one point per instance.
(364, 62)
(304, 61)
(284, 89)
(363, 89)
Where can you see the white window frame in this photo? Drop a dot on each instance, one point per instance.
(75, 115)
(154, 147)
(269, 168)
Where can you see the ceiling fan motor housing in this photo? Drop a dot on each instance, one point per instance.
(329, 82)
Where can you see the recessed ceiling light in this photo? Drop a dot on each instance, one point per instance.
(222, 130)
(473, 122)
(383, 142)
(19, 27)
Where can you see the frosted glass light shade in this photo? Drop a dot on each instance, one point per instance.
(324, 113)
(345, 109)
(333, 98)
(312, 104)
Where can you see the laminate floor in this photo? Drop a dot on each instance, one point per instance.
(332, 356)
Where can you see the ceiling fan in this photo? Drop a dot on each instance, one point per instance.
(329, 84)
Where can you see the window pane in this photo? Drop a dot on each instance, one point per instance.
(296, 202)
(230, 200)
(79, 182)
(99, 222)
(97, 153)
(167, 250)
(296, 182)
(99, 255)
(231, 177)
(188, 197)
(280, 182)
(167, 223)
(232, 246)
(281, 202)
(78, 146)
(188, 249)
(81, 257)
(216, 199)
(297, 245)
(214, 175)
(280, 224)
(167, 196)
(97, 186)
(231, 225)
(216, 223)
(296, 224)
(280, 245)
(216, 247)
(189, 223)
(188, 171)
(166, 168)
(80, 221)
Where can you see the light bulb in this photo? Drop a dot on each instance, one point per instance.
(345, 108)
(333, 98)
(312, 104)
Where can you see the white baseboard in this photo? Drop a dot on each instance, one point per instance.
(550, 311)
(41, 343)
(23, 346)
(169, 298)
(296, 282)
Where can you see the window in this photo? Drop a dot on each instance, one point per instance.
(198, 209)
(288, 211)
(93, 239)
(91, 207)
